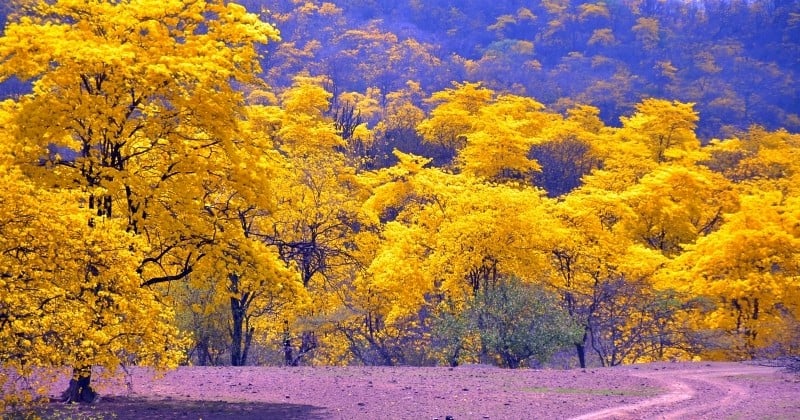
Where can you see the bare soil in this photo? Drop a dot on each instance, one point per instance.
(662, 390)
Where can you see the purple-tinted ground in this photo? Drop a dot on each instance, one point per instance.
(663, 390)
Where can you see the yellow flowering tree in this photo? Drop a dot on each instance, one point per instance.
(749, 268)
(135, 104)
(69, 292)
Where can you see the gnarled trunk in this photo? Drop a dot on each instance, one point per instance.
(80, 388)
(308, 342)
(237, 332)
(241, 331)
(581, 350)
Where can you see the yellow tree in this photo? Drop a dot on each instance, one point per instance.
(666, 211)
(492, 134)
(605, 278)
(632, 212)
(241, 286)
(69, 292)
(500, 139)
(446, 236)
(370, 56)
(665, 128)
(675, 204)
(765, 159)
(749, 267)
(314, 223)
(237, 292)
(250, 279)
(133, 102)
(455, 112)
(647, 32)
(316, 229)
(282, 247)
(658, 132)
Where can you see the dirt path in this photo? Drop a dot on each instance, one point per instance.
(707, 391)
(661, 391)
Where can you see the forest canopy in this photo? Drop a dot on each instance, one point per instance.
(397, 183)
(735, 59)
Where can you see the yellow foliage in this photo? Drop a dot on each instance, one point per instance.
(368, 103)
(72, 290)
(501, 23)
(523, 47)
(749, 266)
(523, 13)
(492, 134)
(603, 36)
(666, 69)
(705, 61)
(674, 205)
(555, 7)
(146, 152)
(142, 98)
(647, 31)
(533, 65)
(666, 128)
(303, 126)
(590, 10)
(450, 121)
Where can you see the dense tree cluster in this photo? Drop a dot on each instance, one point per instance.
(736, 59)
(163, 204)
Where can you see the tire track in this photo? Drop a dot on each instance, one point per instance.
(684, 397)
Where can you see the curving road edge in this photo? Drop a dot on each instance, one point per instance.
(690, 393)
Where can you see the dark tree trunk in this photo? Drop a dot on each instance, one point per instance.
(581, 350)
(308, 342)
(288, 350)
(454, 357)
(241, 332)
(248, 339)
(237, 315)
(80, 389)
(581, 354)
(512, 362)
(203, 355)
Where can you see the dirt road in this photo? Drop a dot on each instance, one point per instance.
(653, 391)
(710, 391)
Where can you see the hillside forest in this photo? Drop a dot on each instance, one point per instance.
(396, 183)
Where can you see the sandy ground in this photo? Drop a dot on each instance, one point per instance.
(663, 390)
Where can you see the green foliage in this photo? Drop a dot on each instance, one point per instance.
(511, 323)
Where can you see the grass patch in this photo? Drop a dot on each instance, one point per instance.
(750, 378)
(641, 392)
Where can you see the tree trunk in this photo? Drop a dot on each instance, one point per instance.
(581, 350)
(237, 315)
(308, 342)
(581, 354)
(288, 357)
(203, 355)
(248, 339)
(80, 389)
(454, 356)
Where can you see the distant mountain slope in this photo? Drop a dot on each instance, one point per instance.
(738, 60)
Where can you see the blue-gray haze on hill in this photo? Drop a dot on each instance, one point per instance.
(737, 60)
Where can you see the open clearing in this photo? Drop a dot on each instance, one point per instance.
(661, 390)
